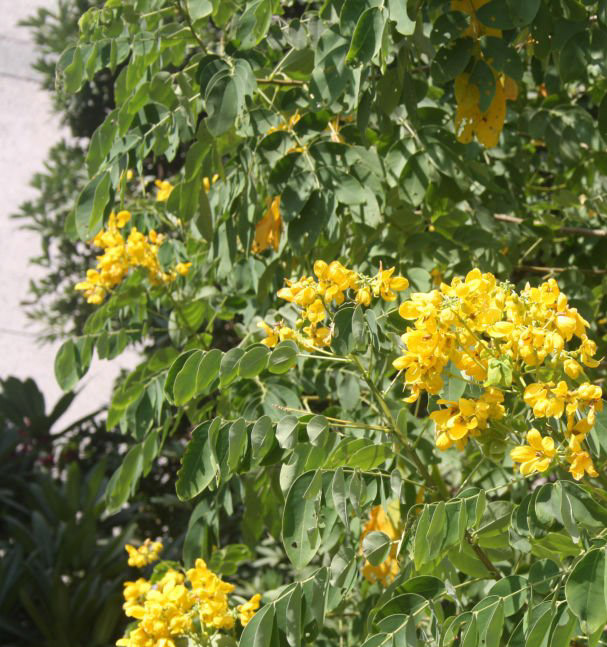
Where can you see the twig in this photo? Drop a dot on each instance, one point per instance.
(280, 82)
(582, 231)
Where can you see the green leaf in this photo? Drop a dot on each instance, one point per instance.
(184, 387)
(300, 533)
(258, 632)
(339, 496)
(496, 14)
(573, 59)
(124, 480)
(223, 103)
(499, 372)
(283, 358)
(523, 12)
(208, 369)
(197, 468)
(437, 531)
(67, 369)
(316, 427)
(204, 219)
(451, 60)
(91, 206)
(176, 366)
(585, 590)
(513, 589)
(262, 438)
(254, 23)
(286, 431)
(482, 76)
(228, 369)
(367, 36)
(420, 544)
(397, 10)
(237, 443)
(253, 362)
(376, 547)
(199, 9)
(369, 457)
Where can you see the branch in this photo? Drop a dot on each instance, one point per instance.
(280, 82)
(555, 270)
(581, 231)
(186, 14)
(482, 555)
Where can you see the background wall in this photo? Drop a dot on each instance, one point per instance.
(28, 129)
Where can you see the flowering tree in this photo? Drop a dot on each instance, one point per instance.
(390, 408)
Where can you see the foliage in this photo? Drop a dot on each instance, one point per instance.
(332, 154)
(63, 559)
(51, 30)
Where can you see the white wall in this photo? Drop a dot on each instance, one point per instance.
(27, 130)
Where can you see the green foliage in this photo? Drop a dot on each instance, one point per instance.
(345, 111)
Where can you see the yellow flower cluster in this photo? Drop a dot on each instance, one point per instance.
(387, 522)
(496, 336)
(469, 119)
(177, 604)
(165, 188)
(286, 125)
(120, 254)
(466, 418)
(207, 183)
(315, 297)
(269, 228)
(147, 553)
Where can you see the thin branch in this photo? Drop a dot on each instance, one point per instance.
(280, 82)
(581, 231)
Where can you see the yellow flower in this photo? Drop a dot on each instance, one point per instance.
(572, 368)
(363, 296)
(470, 120)
(183, 268)
(207, 184)
(272, 337)
(268, 229)
(334, 129)
(536, 456)
(580, 460)
(316, 312)
(211, 594)
(466, 418)
(165, 189)
(286, 125)
(147, 553)
(247, 610)
(386, 286)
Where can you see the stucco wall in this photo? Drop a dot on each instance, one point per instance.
(27, 130)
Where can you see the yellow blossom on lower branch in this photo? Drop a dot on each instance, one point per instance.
(147, 553)
(175, 605)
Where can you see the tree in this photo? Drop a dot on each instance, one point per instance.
(333, 156)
